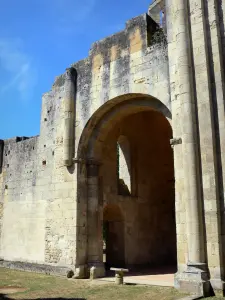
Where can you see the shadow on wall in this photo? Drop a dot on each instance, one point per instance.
(2, 296)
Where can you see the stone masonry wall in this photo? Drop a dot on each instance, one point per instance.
(23, 214)
(37, 194)
(131, 61)
(41, 192)
(58, 184)
(39, 216)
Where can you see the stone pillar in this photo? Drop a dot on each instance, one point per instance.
(81, 221)
(177, 149)
(95, 239)
(206, 57)
(195, 278)
(69, 116)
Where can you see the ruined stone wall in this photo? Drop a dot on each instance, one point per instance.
(23, 214)
(131, 61)
(44, 201)
(38, 194)
(59, 191)
(39, 216)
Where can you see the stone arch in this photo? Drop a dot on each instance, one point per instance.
(133, 101)
(89, 192)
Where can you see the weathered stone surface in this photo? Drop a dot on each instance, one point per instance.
(152, 84)
(34, 267)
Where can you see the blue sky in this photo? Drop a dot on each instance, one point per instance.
(38, 40)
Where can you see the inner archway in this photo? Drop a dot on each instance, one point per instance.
(143, 189)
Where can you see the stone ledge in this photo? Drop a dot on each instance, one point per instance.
(37, 268)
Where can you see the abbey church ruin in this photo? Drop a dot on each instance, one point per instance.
(131, 155)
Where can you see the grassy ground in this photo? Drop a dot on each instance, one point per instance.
(216, 298)
(41, 286)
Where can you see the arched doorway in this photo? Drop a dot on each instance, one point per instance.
(113, 237)
(129, 164)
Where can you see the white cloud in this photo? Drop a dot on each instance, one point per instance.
(17, 67)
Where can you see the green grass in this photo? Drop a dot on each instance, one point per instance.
(41, 286)
(216, 298)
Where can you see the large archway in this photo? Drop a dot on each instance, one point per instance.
(127, 162)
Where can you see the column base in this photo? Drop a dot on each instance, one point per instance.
(92, 271)
(218, 285)
(194, 280)
(96, 270)
(81, 272)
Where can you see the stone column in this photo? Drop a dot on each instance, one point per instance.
(95, 239)
(195, 278)
(81, 221)
(208, 82)
(69, 116)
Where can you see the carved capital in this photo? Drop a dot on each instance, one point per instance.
(70, 74)
(88, 162)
